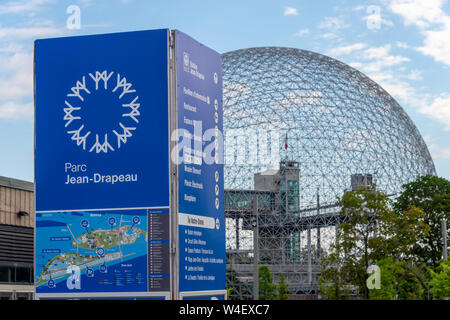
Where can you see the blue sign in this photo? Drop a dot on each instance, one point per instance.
(201, 236)
(102, 121)
(102, 163)
(102, 166)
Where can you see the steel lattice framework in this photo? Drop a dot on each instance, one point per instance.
(336, 122)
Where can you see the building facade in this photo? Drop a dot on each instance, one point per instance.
(16, 239)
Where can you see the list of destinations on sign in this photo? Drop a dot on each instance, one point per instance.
(158, 250)
(201, 232)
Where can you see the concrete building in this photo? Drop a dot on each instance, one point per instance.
(283, 183)
(16, 239)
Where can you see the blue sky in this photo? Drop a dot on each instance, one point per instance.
(401, 44)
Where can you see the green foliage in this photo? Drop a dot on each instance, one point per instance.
(398, 281)
(389, 270)
(431, 194)
(283, 289)
(374, 233)
(267, 290)
(332, 284)
(358, 245)
(440, 280)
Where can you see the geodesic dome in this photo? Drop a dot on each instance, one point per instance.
(335, 120)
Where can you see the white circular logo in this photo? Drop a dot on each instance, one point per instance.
(122, 97)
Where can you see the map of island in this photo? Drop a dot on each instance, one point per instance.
(106, 239)
(104, 248)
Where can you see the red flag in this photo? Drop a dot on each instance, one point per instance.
(286, 142)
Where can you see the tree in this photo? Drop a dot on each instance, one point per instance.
(363, 212)
(267, 290)
(431, 194)
(389, 270)
(397, 281)
(372, 233)
(332, 283)
(398, 233)
(345, 268)
(411, 283)
(440, 281)
(283, 289)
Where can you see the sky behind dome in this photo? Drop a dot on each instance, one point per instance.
(403, 45)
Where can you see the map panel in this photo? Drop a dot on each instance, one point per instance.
(97, 251)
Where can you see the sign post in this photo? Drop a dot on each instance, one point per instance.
(106, 111)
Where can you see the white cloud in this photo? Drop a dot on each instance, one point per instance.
(433, 23)
(16, 83)
(28, 33)
(16, 57)
(402, 45)
(329, 35)
(414, 75)
(384, 68)
(400, 89)
(390, 71)
(439, 109)
(377, 52)
(436, 43)
(22, 6)
(16, 76)
(358, 8)
(345, 50)
(418, 12)
(333, 23)
(18, 86)
(290, 11)
(436, 108)
(387, 70)
(438, 152)
(14, 110)
(375, 58)
(301, 33)
(381, 58)
(11, 48)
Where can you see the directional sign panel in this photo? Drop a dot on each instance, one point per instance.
(201, 235)
(102, 163)
(102, 121)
